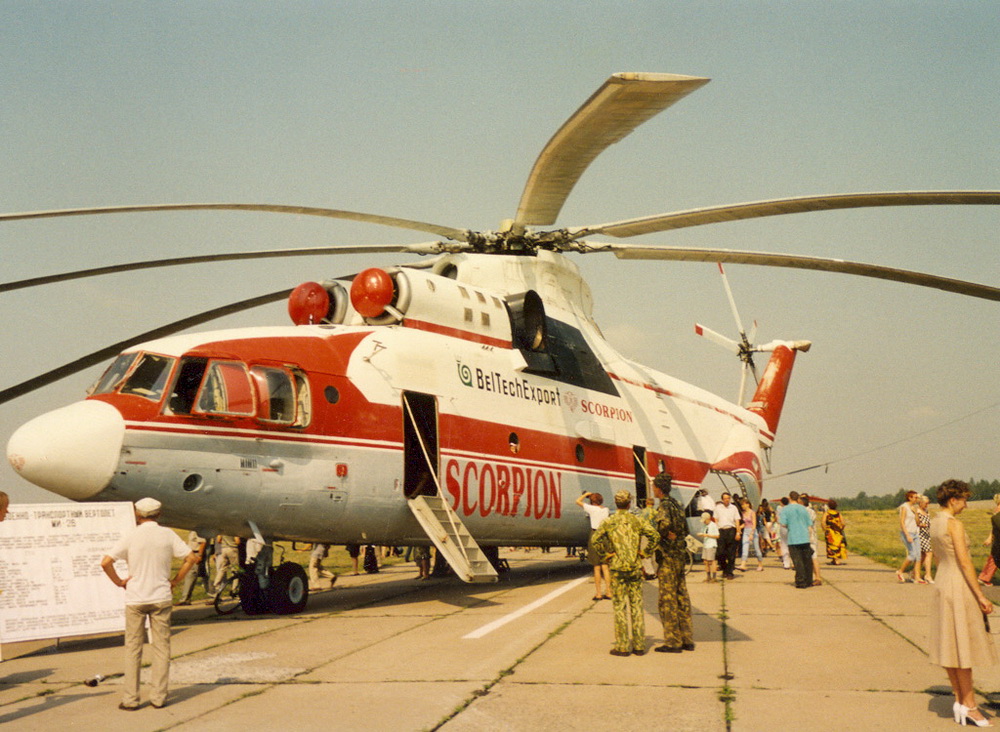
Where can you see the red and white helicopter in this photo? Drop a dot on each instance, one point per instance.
(463, 401)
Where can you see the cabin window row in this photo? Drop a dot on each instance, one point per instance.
(212, 387)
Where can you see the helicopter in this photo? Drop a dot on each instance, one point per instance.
(463, 401)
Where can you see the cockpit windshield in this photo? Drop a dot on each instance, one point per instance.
(149, 377)
(141, 374)
(114, 375)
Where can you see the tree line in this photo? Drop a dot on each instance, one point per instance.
(981, 490)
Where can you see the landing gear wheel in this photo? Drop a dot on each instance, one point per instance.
(251, 595)
(289, 590)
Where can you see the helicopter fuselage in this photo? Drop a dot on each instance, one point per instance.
(462, 387)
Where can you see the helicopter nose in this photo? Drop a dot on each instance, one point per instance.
(72, 451)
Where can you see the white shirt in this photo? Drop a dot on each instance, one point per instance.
(706, 503)
(711, 532)
(909, 518)
(149, 549)
(727, 517)
(812, 526)
(597, 514)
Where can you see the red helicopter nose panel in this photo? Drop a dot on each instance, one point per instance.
(309, 303)
(371, 291)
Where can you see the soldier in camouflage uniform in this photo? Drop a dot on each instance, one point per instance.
(675, 604)
(620, 539)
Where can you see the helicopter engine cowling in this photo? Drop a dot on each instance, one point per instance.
(311, 303)
(380, 297)
(308, 303)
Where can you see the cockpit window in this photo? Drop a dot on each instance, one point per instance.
(303, 401)
(282, 396)
(186, 385)
(114, 375)
(226, 390)
(149, 377)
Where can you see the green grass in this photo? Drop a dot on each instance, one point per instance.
(875, 534)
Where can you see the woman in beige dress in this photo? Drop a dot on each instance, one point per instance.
(959, 638)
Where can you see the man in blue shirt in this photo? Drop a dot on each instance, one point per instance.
(796, 519)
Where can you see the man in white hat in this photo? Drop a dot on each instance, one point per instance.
(149, 550)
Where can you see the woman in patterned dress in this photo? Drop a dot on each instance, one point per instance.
(924, 527)
(833, 527)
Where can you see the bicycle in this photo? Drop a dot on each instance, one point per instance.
(693, 553)
(227, 599)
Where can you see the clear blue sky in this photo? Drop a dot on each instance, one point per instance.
(436, 111)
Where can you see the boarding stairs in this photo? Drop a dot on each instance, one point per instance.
(452, 539)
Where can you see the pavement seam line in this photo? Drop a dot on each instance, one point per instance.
(727, 695)
(878, 619)
(488, 686)
(429, 619)
(873, 616)
(333, 613)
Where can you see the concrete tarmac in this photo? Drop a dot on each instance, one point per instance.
(388, 652)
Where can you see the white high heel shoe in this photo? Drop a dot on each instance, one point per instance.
(966, 719)
(957, 710)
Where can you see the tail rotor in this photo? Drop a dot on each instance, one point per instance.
(744, 349)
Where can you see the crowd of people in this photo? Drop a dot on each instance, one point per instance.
(622, 546)
(625, 549)
(733, 530)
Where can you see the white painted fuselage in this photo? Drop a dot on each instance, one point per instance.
(319, 432)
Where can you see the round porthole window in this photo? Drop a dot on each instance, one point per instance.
(579, 453)
(193, 482)
(331, 394)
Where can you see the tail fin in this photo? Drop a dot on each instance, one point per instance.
(770, 396)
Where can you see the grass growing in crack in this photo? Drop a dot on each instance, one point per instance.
(727, 695)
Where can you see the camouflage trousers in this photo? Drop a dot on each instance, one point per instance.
(675, 603)
(626, 601)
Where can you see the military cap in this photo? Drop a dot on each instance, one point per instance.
(663, 481)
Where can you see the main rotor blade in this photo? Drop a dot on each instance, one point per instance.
(114, 349)
(781, 206)
(732, 306)
(690, 254)
(622, 103)
(432, 247)
(445, 231)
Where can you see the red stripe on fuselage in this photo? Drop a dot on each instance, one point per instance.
(464, 335)
(704, 405)
(463, 438)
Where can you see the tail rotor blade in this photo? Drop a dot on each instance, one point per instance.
(728, 343)
(743, 385)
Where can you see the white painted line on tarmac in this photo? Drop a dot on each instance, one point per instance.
(500, 622)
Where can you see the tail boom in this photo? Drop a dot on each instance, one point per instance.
(769, 399)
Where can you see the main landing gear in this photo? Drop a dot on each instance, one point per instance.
(281, 589)
(266, 588)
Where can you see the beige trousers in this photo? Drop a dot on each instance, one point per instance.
(135, 627)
